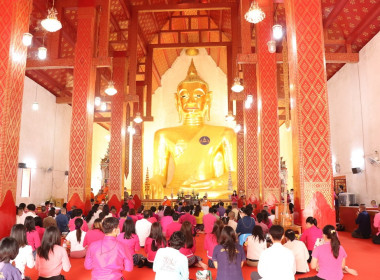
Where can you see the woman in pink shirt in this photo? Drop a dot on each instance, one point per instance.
(167, 219)
(211, 240)
(39, 227)
(129, 237)
(266, 219)
(51, 257)
(95, 234)
(310, 235)
(155, 241)
(31, 234)
(190, 246)
(330, 257)
(132, 213)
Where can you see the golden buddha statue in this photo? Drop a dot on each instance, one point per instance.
(202, 155)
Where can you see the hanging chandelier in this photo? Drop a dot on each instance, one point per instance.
(111, 90)
(27, 39)
(271, 46)
(254, 14)
(138, 118)
(42, 53)
(51, 22)
(237, 86)
(230, 117)
(277, 31)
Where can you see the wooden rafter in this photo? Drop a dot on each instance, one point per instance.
(334, 13)
(375, 12)
(183, 7)
(330, 58)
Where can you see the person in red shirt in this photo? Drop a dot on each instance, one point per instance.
(209, 220)
(174, 226)
(187, 217)
(131, 202)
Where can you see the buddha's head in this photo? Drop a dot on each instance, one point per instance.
(193, 98)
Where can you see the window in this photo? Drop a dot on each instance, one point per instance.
(25, 183)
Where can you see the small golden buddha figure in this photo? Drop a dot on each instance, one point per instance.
(199, 156)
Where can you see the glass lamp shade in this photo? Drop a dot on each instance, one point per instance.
(131, 130)
(27, 39)
(138, 118)
(254, 14)
(272, 46)
(247, 104)
(277, 31)
(250, 98)
(51, 23)
(111, 90)
(97, 101)
(103, 106)
(35, 106)
(237, 86)
(42, 53)
(230, 117)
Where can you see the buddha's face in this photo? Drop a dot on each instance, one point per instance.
(192, 97)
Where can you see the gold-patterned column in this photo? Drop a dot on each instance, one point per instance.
(14, 21)
(137, 161)
(251, 136)
(118, 132)
(82, 110)
(310, 115)
(267, 103)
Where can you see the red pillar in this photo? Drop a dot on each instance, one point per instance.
(310, 114)
(118, 132)
(268, 122)
(251, 136)
(82, 109)
(137, 161)
(14, 21)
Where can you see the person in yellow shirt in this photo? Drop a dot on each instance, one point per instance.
(198, 214)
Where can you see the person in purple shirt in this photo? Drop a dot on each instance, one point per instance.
(8, 252)
(221, 209)
(108, 258)
(228, 256)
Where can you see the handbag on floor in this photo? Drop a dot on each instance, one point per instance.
(203, 275)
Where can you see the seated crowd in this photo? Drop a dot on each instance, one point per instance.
(111, 240)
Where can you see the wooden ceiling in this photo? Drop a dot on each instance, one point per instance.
(349, 25)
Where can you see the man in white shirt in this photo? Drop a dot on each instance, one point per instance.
(143, 227)
(31, 211)
(169, 263)
(277, 262)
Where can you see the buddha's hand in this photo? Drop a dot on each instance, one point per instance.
(157, 185)
(206, 184)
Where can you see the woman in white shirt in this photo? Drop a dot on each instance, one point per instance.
(75, 239)
(256, 244)
(299, 250)
(25, 252)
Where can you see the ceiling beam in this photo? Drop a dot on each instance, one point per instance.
(63, 63)
(191, 45)
(102, 120)
(375, 12)
(127, 98)
(183, 7)
(55, 63)
(334, 13)
(330, 58)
